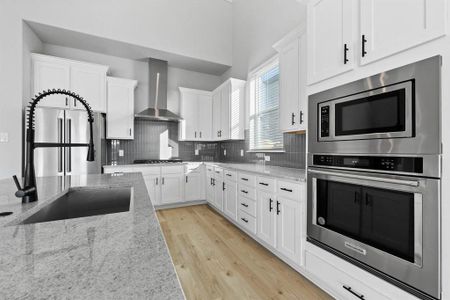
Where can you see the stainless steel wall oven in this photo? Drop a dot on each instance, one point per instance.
(374, 175)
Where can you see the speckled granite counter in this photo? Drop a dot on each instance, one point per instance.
(114, 256)
(281, 172)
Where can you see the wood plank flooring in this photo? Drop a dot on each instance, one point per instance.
(216, 260)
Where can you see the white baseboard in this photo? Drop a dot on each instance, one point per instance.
(179, 204)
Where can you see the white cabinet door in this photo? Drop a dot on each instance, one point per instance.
(204, 117)
(210, 191)
(289, 228)
(216, 118)
(189, 113)
(120, 109)
(194, 187)
(172, 188)
(329, 33)
(152, 182)
(225, 92)
(388, 27)
(51, 75)
(289, 86)
(266, 217)
(230, 199)
(90, 83)
(218, 193)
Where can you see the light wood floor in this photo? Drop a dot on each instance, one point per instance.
(216, 260)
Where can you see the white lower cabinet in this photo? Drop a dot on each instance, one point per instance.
(266, 217)
(289, 227)
(218, 193)
(194, 186)
(230, 199)
(152, 183)
(172, 188)
(210, 189)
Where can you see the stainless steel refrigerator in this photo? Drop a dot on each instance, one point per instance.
(68, 126)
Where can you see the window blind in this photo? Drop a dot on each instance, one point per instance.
(265, 133)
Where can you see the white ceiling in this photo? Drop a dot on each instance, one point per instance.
(68, 38)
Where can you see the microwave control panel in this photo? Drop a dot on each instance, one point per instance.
(325, 121)
(382, 163)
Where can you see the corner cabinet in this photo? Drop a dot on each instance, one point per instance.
(86, 79)
(337, 41)
(196, 111)
(228, 120)
(120, 108)
(293, 99)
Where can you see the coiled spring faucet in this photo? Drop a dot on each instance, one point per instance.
(29, 192)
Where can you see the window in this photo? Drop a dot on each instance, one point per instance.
(265, 133)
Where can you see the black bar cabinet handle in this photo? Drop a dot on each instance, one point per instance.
(263, 183)
(245, 179)
(223, 186)
(345, 54)
(186, 179)
(245, 220)
(349, 289)
(270, 204)
(244, 191)
(278, 208)
(244, 205)
(292, 119)
(301, 117)
(228, 175)
(287, 190)
(363, 45)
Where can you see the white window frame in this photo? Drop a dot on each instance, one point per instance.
(250, 94)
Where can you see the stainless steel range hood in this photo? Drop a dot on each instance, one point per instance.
(157, 110)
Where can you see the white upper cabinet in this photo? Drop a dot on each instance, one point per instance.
(388, 27)
(196, 111)
(85, 79)
(89, 81)
(228, 110)
(120, 108)
(292, 62)
(51, 74)
(329, 38)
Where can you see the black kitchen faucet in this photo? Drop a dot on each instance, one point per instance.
(29, 192)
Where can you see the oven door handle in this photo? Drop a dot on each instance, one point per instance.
(412, 183)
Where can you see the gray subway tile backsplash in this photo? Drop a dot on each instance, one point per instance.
(146, 145)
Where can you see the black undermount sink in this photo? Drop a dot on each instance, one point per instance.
(84, 202)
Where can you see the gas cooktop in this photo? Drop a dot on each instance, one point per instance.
(157, 161)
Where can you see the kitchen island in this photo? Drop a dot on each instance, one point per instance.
(112, 256)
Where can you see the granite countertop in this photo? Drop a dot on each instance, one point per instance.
(114, 256)
(280, 172)
(275, 171)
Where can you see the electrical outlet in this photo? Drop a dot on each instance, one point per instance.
(4, 137)
(242, 152)
(196, 152)
(266, 157)
(225, 152)
(121, 153)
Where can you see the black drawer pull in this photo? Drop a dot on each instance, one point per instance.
(264, 184)
(244, 191)
(363, 46)
(349, 289)
(245, 220)
(218, 172)
(287, 190)
(245, 179)
(278, 208)
(270, 204)
(244, 205)
(228, 175)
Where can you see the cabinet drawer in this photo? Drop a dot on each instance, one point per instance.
(172, 169)
(343, 285)
(218, 172)
(247, 221)
(247, 192)
(266, 184)
(247, 179)
(230, 175)
(289, 189)
(247, 205)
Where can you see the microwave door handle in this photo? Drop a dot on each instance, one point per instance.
(412, 183)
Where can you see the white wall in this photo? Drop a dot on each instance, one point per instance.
(257, 25)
